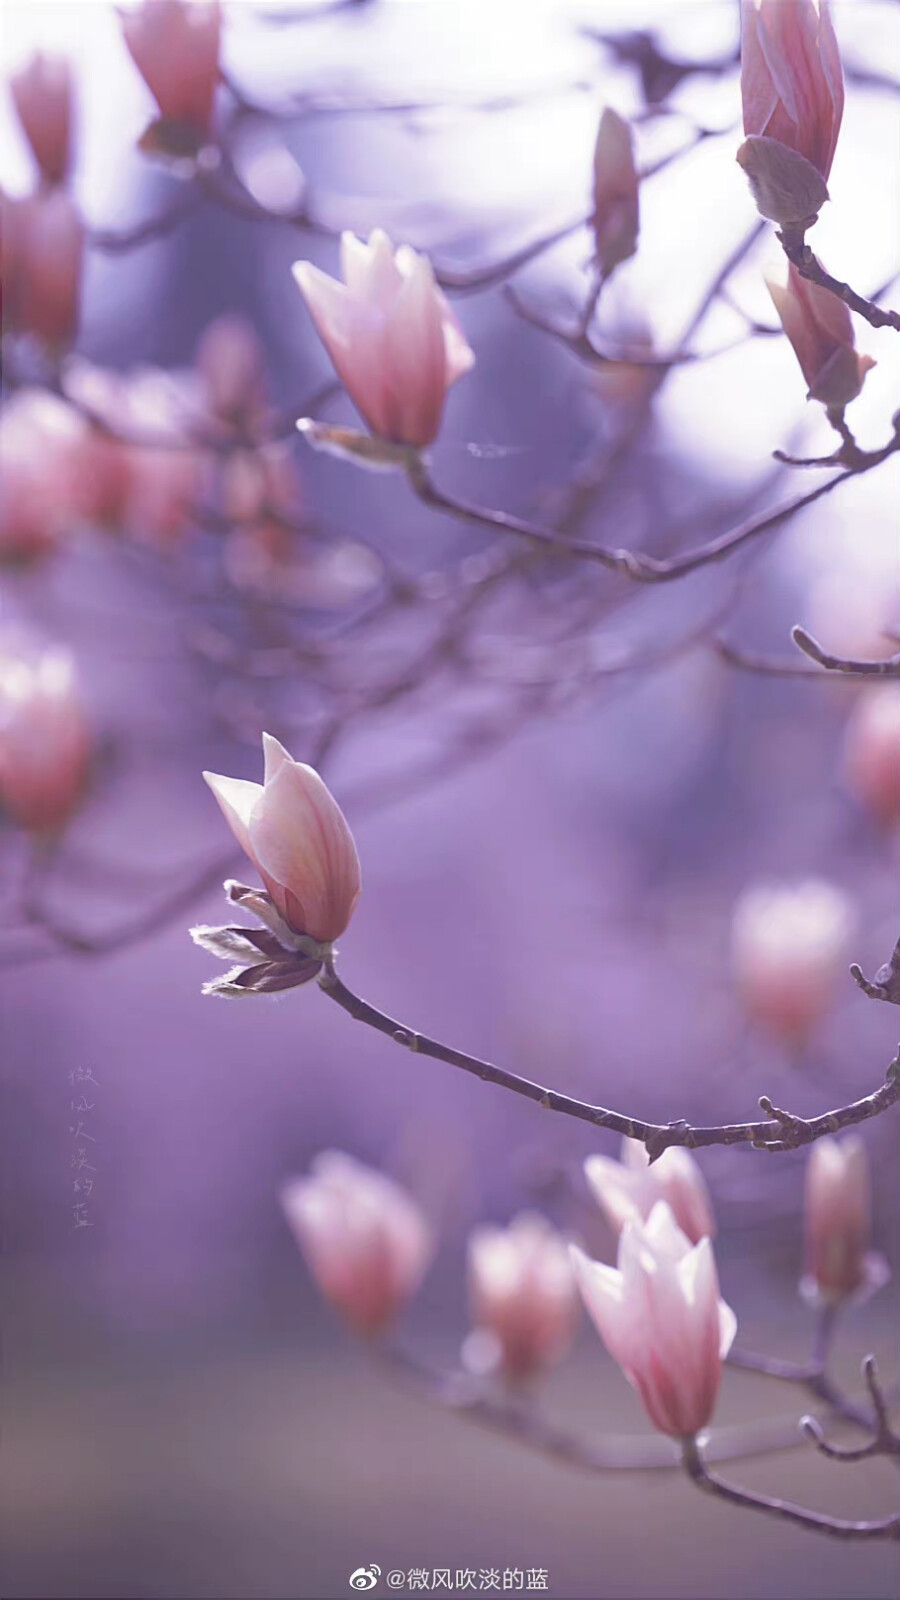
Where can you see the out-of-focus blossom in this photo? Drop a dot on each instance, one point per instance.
(523, 1295)
(628, 1189)
(792, 88)
(175, 46)
(45, 743)
(820, 329)
(789, 949)
(43, 250)
(231, 365)
(42, 95)
(616, 218)
(395, 343)
(872, 752)
(837, 1223)
(296, 835)
(140, 474)
(660, 1316)
(365, 1240)
(40, 443)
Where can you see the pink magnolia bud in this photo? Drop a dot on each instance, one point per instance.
(616, 208)
(659, 1314)
(837, 1220)
(42, 94)
(43, 251)
(872, 752)
(395, 343)
(792, 84)
(789, 950)
(297, 838)
(175, 46)
(628, 1189)
(45, 746)
(40, 442)
(231, 366)
(523, 1294)
(365, 1240)
(819, 327)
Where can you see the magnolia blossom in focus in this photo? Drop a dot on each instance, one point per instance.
(395, 343)
(789, 950)
(175, 46)
(43, 241)
(659, 1314)
(42, 95)
(365, 1240)
(523, 1295)
(298, 840)
(792, 83)
(837, 1221)
(872, 752)
(616, 208)
(792, 89)
(628, 1189)
(820, 329)
(40, 443)
(45, 744)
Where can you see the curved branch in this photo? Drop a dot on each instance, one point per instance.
(816, 1521)
(781, 1130)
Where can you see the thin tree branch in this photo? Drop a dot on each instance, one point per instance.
(781, 1130)
(818, 1522)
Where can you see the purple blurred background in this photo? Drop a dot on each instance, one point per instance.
(183, 1416)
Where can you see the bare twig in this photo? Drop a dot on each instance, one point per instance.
(781, 1131)
(816, 1521)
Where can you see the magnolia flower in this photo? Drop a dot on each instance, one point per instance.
(137, 474)
(629, 1189)
(45, 744)
(616, 209)
(523, 1294)
(365, 1240)
(40, 443)
(789, 947)
(659, 1314)
(793, 94)
(231, 365)
(872, 752)
(175, 46)
(295, 834)
(792, 84)
(42, 95)
(837, 1220)
(395, 343)
(43, 249)
(819, 327)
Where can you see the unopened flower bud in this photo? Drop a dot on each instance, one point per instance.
(616, 217)
(789, 950)
(42, 95)
(175, 46)
(820, 330)
(792, 84)
(523, 1294)
(45, 743)
(837, 1222)
(365, 1240)
(872, 752)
